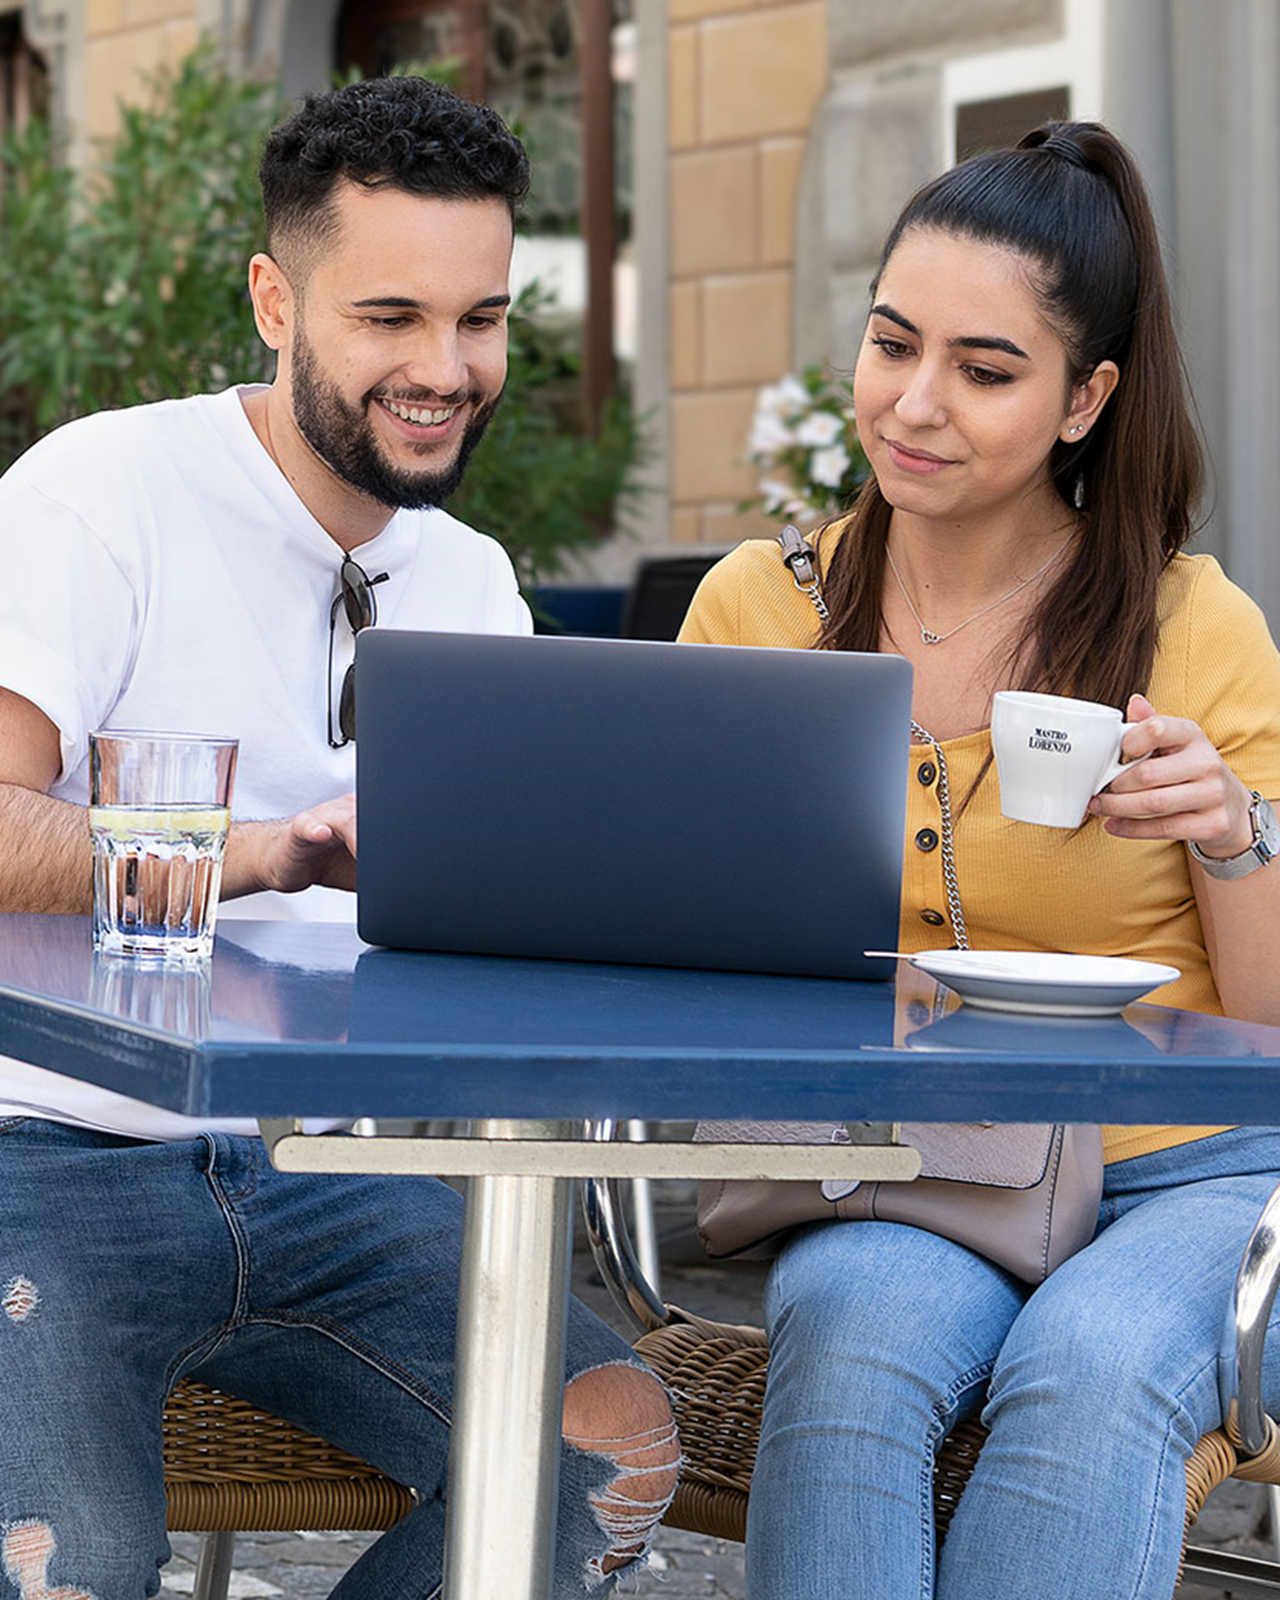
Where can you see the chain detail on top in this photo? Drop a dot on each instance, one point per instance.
(799, 556)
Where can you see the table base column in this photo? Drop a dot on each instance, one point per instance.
(505, 1452)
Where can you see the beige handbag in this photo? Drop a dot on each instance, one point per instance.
(1025, 1195)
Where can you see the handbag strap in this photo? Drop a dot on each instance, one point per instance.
(802, 560)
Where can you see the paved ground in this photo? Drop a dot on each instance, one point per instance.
(306, 1566)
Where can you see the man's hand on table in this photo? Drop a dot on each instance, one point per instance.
(316, 846)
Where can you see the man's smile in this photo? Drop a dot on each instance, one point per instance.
(420, 417)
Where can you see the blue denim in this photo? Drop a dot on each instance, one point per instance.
(1096, 1387)
(331, 1301)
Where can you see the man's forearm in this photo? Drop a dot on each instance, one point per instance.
(46, 858)
(46, 854)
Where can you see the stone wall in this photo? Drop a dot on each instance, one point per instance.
(877, 135)
(796, 132)
(124, 39)
(743, 82)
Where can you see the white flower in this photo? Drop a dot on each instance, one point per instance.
(792, 394)
(775, 495)
(829, 466)
(820, 428)
(769, 434)
(771, 404)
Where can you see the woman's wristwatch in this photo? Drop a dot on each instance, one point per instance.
(1263, 850)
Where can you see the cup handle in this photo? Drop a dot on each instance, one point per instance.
(1118, 766)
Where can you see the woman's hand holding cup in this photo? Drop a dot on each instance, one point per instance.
(1183, 790)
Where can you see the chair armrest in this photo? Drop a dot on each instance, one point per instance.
(610, 1241)
(1240, 1369)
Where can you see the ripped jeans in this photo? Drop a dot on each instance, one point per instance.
(330, 1301)
(1096, 1388)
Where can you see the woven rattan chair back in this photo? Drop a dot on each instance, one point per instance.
(716, 1373)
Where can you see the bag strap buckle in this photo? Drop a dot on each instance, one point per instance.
(799, 555)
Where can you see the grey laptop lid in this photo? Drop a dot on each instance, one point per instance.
(630, 801)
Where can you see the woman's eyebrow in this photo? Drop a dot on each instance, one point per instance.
(975, 341)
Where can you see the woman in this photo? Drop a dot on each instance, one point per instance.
(1034, 471)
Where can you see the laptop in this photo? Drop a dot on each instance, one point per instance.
(631, 801)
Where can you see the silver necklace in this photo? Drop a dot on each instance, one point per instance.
(928, 636)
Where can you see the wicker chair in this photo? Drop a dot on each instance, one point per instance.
(230, 1468)
(716, 1374)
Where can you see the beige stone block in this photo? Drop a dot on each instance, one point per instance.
(746, 328)
(118, 66)
(114, 71)
(763, 73)
(682, 88)
(725, 524)
(692, 10)
(103, 16)
(180, 39)
(686, 335)
(869, 30)
(140, 13)
(780, 163)
(685, 524)
(709, 444)
(714, 211)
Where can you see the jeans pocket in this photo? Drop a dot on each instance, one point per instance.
(12, 1124)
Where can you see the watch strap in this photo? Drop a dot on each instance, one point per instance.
(1258, 853)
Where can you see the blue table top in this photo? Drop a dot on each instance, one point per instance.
(294, 1019)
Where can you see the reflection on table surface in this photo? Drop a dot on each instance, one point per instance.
(302, 1019)
(301, 982)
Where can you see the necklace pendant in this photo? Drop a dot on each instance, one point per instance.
(928, 637)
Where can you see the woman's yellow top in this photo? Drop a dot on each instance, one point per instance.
(1026, 888)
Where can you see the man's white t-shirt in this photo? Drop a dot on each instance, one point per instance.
(160, 572)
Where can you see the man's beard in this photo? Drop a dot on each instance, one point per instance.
(344, 439)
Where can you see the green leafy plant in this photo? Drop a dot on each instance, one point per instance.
(539, 481)
(127, 285)
(804, 445)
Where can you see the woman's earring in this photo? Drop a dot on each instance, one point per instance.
(1078, 495)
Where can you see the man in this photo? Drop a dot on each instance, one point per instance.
(180, 566)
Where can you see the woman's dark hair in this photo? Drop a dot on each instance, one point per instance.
(398, 133)
(1070, 199)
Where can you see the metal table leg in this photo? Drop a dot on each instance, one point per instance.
(513, 1300)
(647, 1251)
(505, 1451)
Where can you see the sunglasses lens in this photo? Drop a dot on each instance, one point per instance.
(347, 704)
(357, 597)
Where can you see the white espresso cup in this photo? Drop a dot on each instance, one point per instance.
(1053, 755)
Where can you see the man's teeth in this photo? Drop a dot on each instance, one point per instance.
(417, 414)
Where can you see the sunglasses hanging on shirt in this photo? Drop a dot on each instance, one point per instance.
(356, 597)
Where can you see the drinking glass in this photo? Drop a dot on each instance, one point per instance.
(159, 814)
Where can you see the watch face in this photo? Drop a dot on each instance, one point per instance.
(1268, 828)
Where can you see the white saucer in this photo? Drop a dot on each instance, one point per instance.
(1033, 980)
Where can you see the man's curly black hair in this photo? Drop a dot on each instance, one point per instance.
(400, 133)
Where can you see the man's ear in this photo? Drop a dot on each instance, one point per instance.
(273, 301)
